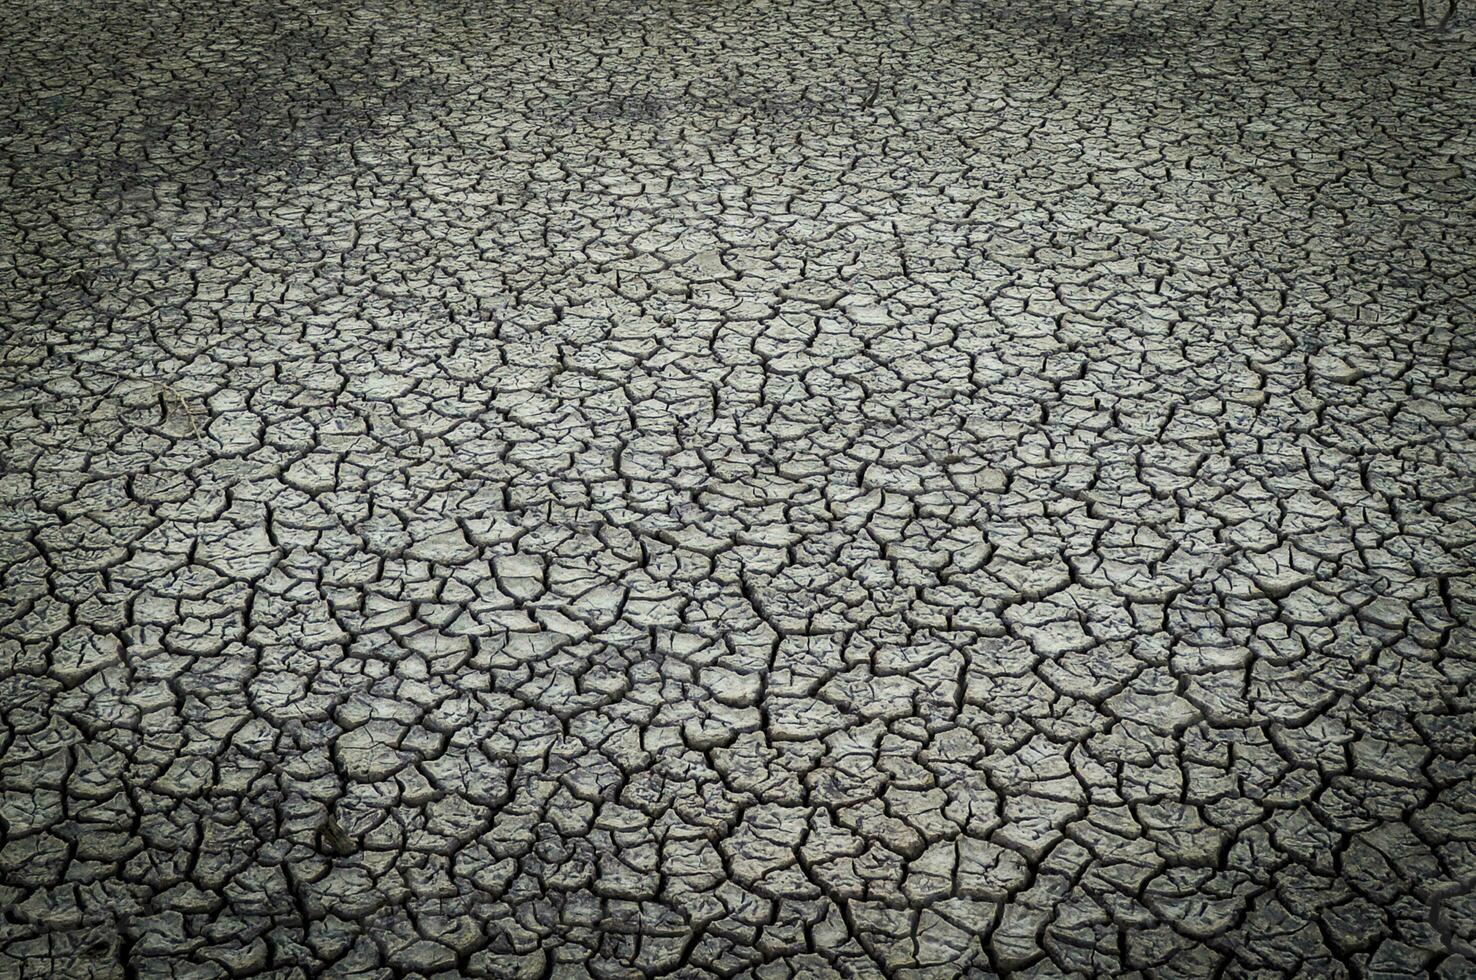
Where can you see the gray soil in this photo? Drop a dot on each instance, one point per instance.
(769, 490)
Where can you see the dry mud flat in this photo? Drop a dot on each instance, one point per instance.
(736, 490)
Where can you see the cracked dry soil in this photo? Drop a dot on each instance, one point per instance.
(917, 489)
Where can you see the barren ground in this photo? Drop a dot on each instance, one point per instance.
(811, 489)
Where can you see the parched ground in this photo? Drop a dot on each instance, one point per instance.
(934, 488)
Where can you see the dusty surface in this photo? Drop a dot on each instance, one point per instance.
(745, 490)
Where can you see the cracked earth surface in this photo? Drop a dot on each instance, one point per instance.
(714, 490)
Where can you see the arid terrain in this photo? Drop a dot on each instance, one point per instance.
(806, 489)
